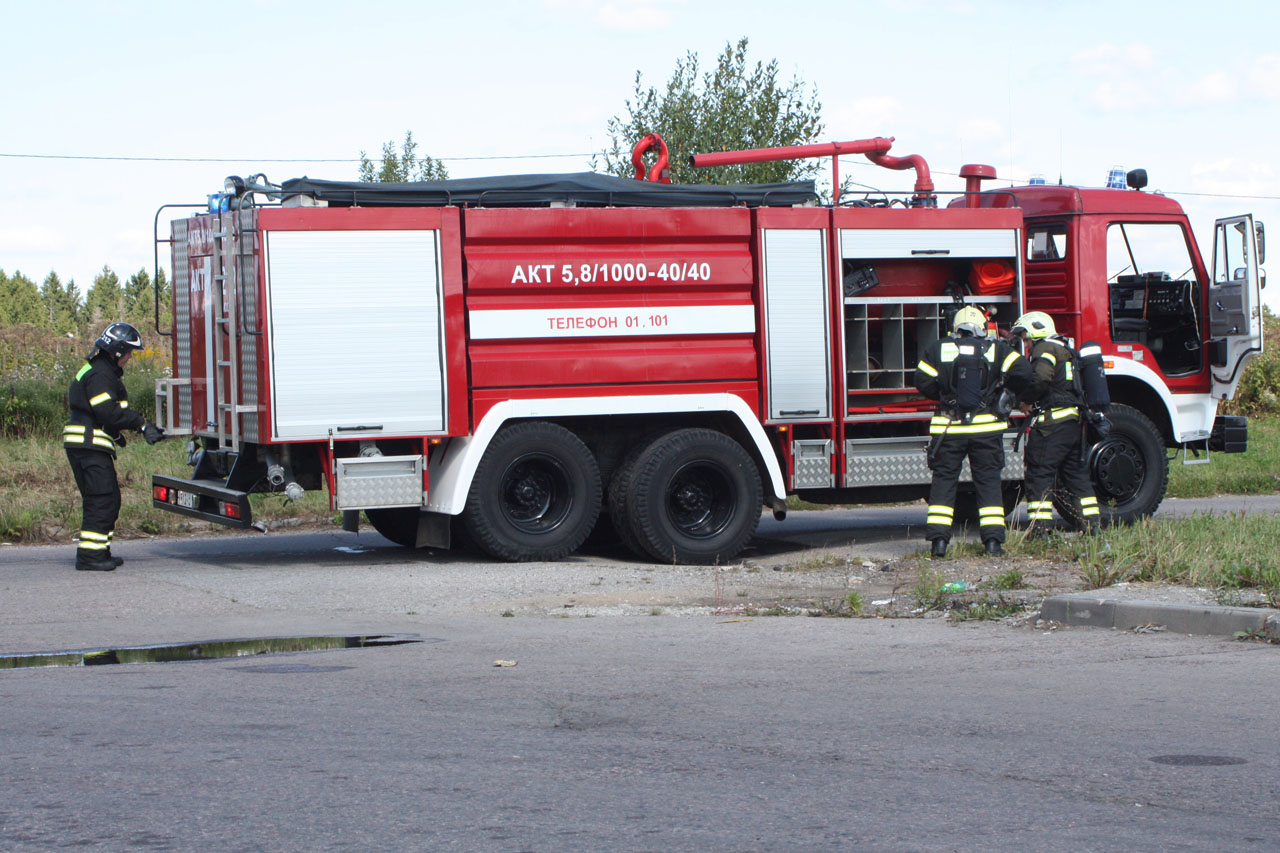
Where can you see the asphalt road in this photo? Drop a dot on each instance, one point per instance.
(685, 730)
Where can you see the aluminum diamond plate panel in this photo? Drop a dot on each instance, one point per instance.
(813, 464)
(180, 287)
(904, 461)
(378, 481)
(246, 283)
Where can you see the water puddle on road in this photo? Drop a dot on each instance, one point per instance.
(211, 650)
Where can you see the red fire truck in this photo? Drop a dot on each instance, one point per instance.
(519, 359)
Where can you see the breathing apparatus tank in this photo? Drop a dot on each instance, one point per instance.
(1093, 377)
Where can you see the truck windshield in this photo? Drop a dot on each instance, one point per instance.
(1155, 293)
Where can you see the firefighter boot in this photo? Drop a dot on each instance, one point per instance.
(993, 548)
(91, 562)
(119, 561)
(939, 548)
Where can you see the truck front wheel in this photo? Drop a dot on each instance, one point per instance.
(1129, 469)
(693, 496)
(536, 494)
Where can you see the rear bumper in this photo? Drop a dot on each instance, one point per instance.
(207, 500)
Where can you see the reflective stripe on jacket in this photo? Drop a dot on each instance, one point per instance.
(935, 380)
(1053, 381)
(99, 407)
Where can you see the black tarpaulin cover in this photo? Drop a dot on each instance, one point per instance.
(582, 188)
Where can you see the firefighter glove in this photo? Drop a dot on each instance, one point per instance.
(152, 433)
(1099, 426)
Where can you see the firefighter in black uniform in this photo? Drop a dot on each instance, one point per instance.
(1055, 444)
(99, 415)
(965, 374)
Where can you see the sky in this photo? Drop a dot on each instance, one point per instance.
(109, 110)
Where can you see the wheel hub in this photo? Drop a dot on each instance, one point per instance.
(534, 494)
(700, 501)
(1119, 470)
(692, 499)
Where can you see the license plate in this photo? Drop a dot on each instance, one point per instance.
(188, 499)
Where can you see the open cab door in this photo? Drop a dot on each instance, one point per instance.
(1235, 301)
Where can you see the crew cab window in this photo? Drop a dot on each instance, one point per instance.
(1155, 293)
(1047, 242)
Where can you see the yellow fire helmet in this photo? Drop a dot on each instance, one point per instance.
(970, 320)
(1037, 324)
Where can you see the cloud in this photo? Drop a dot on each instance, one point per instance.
(1233, 176)
(1264, 76)
(1121, 96)
(639, 17)
(864, 117)
(962, 8)
(32, 239)
(1128, 74)
(1216, 88)
(1109, 59)
(1132, 79)
(981, 130)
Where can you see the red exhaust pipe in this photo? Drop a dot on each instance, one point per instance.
(974, 174)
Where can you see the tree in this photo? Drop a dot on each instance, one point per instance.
(403, 166)
(104, 303)
(19, 300)
(730, 108)
(61, 304)
(139, 298)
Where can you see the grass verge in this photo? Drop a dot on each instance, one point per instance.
(1221, 552)
(39, 502)
(1254, 472)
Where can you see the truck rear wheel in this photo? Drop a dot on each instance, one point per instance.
(692, 496)
(1129, 469)
(536, 494)
(620, 519)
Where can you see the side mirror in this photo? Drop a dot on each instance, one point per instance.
(1260, 237)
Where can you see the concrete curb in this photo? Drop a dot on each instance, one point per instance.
(1099, 612)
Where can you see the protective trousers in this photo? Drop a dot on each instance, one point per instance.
(95, 474)
(986, 460)
(1054, 456)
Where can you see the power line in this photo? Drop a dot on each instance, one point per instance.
(1160, 192)
(266, 159)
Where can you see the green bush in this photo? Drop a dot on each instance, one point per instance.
(33, 394)
(32, 407)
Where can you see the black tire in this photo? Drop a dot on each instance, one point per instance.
(400, 524)
(693, 496)
(1129, 469)
(536, 494)
(616, 502)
